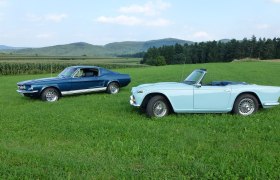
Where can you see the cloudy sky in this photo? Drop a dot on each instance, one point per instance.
(37, 23)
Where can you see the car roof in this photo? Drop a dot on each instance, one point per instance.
(81, 66)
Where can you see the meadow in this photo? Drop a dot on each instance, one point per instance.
(100, 136)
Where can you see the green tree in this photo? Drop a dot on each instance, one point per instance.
(179, 58)
(158, 61)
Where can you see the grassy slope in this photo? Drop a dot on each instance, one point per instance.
(101, 136)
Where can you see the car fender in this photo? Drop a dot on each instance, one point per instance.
(235, 95)
(50, 86)
(110, 81)
(154, 93)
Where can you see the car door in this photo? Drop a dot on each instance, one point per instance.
(211, 97)
(85, 79)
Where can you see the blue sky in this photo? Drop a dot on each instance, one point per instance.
(37, 23)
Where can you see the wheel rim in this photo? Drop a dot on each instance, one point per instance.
(51, 96)
(114, 88)
(246, 106)
(159, 109)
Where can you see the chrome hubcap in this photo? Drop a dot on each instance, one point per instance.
(51, 96)
(159, 109)
(246, 107)
(114, 89)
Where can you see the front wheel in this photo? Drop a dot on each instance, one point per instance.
(246, 105)
(157, 107)
(113, 88)
(50, 95)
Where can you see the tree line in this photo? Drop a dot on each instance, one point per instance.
(214, 51)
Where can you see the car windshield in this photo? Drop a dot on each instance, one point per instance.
(194, 77)
(68, 72)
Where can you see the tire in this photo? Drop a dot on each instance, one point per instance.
(113, 88)
(245, 105)
(50, 95)
(157, 107)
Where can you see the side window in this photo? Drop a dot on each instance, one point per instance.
(79, 73)
(90, 72)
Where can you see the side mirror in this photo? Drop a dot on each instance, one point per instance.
(197, 85)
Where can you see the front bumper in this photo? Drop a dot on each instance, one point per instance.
(269, 105)
(133, 101)
(28, 93)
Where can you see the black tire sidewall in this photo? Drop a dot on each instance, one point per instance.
(151, 103)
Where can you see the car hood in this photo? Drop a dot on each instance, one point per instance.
(40, 81)
(162, 86)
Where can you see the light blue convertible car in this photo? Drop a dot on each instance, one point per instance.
(192, 96)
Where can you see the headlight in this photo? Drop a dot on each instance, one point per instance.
(21, 87)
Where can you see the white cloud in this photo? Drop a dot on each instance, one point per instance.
(56, 18)
(275, 1)
(122, 20)
(150, 8)
(133, 21)
(263, 26)
(201, 35)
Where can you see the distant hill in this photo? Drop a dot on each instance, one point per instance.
(131, 47)
(108, 50)
(73, 49)
(3, 47)
(225, 40)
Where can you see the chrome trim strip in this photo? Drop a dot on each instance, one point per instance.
(83, 91)
(271, 104)
(27, 92)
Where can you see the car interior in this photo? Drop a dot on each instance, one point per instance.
(223, 83)
(87, 73)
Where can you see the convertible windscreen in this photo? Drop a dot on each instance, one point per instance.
(194, 77)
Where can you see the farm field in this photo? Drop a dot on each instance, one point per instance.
(21, 64)
(100, 136)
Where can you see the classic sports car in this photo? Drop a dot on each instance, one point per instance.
(73, 80)
(192, 96)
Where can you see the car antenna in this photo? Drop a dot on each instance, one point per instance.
(183, 69)
(51, 69)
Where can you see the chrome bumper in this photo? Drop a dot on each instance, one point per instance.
(133, 102)
(268, 105)
(22, 92)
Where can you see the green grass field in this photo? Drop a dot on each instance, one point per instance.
(100, 136)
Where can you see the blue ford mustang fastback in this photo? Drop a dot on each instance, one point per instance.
(194, 96)
(73, 80)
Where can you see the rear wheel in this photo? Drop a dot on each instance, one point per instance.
(50, 95)
(246, 105)
(113, 88)
(157, 107)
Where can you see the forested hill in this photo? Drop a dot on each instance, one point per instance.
(108, 50)
(214, 51)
